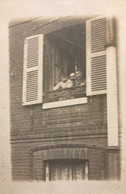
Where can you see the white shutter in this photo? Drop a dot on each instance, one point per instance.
(96, 56)
(33, 70)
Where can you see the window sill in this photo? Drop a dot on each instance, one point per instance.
(64, 94)
(64, 103)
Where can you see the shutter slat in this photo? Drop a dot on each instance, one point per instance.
(96, 56)
(102, 87)
(97, 85)
(98, 88)
(98, 67)
(33, 59)
(97, 42)
(102, 77)
(100, 81)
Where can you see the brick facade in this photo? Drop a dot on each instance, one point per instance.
(37, 135)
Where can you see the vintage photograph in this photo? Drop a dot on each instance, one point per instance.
(64, 98)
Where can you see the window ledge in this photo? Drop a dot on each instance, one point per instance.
(65, 103)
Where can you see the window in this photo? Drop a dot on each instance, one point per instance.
(66, 170)
(77, 52)
(68, 62)
(68, 53)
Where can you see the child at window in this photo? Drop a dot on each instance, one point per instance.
(73, 79)
(79, 79)
(64, 83)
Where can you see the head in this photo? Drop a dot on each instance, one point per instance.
(72, 76)
(79, 75)
(64, 78)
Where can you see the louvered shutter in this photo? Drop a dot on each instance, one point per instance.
(96, 56)
(32, 72)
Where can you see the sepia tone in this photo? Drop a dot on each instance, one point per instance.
(64, 133)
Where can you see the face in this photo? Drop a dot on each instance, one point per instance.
(72, 78)
(64, 79)
(79, 75)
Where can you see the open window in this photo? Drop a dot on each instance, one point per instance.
(68, 52)
(68, 62)
(76, 52)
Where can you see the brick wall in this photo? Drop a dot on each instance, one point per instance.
(96, 170)
(28, 158)
(33, 127)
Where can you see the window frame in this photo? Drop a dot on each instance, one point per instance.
(73, 163)
(64, 102)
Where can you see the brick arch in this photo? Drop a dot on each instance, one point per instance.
(95, 157)
(67, 146)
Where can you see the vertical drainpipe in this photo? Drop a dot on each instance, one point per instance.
(112, 105)
(47, 172)
(86, 170)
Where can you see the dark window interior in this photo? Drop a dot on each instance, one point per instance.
(68, 52)
(67, 169)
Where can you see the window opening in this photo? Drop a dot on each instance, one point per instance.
(68, 63)
(66, 170)
(66, 70)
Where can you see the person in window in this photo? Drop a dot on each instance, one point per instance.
(79, 78)
(73, 79)
(64, 83)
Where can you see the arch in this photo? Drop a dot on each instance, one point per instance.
(95, 156)
(67, 146)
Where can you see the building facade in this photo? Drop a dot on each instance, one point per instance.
(61, 131)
